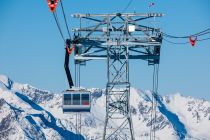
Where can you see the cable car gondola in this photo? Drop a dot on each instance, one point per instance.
(76, 101)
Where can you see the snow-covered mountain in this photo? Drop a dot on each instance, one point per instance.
(30, 113)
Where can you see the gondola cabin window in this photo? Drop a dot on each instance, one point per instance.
(76, 99)
(67, 99)
(85, 99)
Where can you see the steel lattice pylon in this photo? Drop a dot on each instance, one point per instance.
(117, 38)
(118, 92)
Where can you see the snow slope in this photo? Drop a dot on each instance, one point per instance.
(30, 113)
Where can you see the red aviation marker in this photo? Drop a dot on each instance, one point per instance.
(86, 103)
(52, 4)
(192, 42)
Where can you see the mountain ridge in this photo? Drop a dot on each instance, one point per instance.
(30, 113)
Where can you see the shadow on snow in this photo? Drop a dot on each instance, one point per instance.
(66, 134)
(173, 118)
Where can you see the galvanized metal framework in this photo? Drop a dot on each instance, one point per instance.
(117, 38)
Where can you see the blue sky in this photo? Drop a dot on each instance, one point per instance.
(32, 51)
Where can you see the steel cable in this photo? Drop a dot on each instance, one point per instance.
(58, 24)
(127, 6)
(64, 15)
